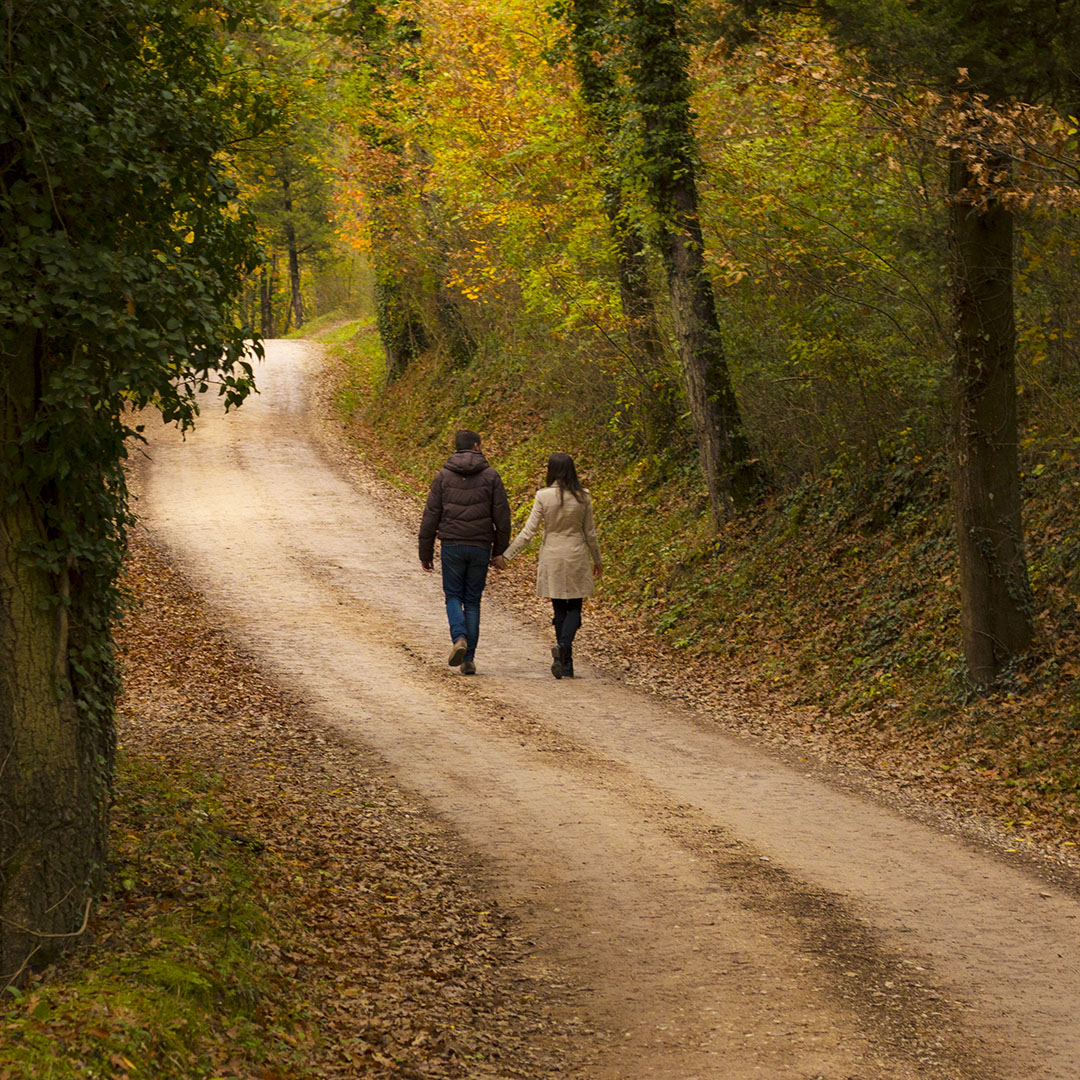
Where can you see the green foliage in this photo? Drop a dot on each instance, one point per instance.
(1008, 49)
(194, 976)
(122, 254)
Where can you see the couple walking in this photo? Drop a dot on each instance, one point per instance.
(467, 509)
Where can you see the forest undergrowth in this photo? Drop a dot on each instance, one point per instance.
(833, 602)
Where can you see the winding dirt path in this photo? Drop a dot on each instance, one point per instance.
(717, 913)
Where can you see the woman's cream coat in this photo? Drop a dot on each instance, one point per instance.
(570, 548)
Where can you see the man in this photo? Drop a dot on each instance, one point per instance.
(467, 509)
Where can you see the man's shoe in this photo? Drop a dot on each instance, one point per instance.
(468, 667)
(556, 662)
(457, 653)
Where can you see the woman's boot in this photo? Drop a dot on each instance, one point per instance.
(567, 662)
(556, 662)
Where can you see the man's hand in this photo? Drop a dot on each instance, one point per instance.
(428, 565)
(498, 562)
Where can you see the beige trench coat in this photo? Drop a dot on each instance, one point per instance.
(570, 548)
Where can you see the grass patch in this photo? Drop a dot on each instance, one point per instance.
(333, 328)
(363, 363)
(184, 977)
(346, 331)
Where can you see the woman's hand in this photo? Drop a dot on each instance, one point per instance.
(597, 570)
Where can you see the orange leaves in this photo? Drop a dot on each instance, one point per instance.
(480, 150)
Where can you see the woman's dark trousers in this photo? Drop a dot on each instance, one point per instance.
(567, 622)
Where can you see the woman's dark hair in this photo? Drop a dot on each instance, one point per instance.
(562, 473)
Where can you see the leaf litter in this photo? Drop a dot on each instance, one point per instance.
(392, 960)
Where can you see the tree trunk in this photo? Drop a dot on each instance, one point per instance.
(297, 302)
(266, 298)
(659, 74)
(731, 476)
(454, 332)
(639, 312)
(460, 343)
(635, 295)
(52, 776)
(294, 275)
(400, 330)
(591, 47)
(995, 593)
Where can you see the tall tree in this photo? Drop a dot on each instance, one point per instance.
(122, 254)
(285, 171)
(997, 608)
(383, 54)
(288, 190)
(296, 297)
(981, 58)
(596, 69)
(657, 69)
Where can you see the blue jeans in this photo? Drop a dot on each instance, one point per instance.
(464, 574)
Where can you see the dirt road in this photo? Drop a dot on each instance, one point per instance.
(717, 913)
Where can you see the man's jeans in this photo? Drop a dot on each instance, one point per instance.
(464, 574)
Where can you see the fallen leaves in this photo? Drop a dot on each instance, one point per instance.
(377, 956)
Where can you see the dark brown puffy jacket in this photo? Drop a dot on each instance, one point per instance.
(467, 504)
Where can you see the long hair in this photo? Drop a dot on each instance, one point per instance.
(563, 475)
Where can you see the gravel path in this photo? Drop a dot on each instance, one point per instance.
(719, 912)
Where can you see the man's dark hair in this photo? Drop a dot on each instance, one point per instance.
(466, 440)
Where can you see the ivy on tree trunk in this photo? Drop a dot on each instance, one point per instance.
(122, 253)
(55, 757)
(590, 22)
(658, 71)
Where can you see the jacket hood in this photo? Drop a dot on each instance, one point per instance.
(467, 462)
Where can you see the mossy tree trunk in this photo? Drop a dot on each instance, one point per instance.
(659, 77)
(995, 592)
(452, 325)
(401, 329)
(642, 325)
(91, 331)
(590, 40)
(53, 767)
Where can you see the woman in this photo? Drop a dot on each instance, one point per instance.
(569, 554)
